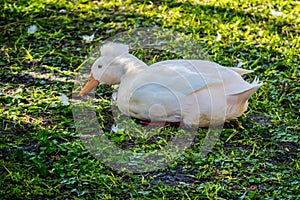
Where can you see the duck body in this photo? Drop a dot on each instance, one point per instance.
(195, 92)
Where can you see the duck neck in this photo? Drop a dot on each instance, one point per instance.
(132, 65)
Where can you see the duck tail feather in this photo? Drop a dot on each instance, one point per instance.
(256, 82)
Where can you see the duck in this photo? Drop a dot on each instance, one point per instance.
(198, 93)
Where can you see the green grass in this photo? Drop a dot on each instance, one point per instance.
(41, 154)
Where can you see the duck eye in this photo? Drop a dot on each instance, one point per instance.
(99, 66)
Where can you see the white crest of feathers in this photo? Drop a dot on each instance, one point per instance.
(114, 49)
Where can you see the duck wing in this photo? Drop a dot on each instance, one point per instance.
(184, 75)
(240, 71)
(231, 77)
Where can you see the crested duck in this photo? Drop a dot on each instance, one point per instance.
(195, 92)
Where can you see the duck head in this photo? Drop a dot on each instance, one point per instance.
(114, 63)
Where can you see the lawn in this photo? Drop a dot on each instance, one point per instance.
(43, 46)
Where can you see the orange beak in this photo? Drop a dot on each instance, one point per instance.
(89, 86)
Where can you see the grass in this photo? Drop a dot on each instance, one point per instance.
(42, 156)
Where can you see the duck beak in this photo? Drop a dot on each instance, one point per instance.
(89, 86)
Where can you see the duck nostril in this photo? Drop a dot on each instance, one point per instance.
(99, 66)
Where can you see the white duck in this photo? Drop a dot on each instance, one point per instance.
(195, 92)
